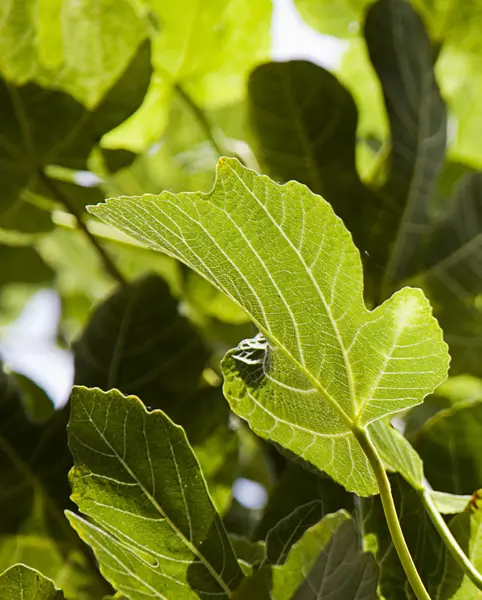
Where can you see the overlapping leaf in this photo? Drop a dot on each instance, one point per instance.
(41, 127)
(25, 583)
(153, 526)
(306, 123)
(402, 55)
(324, 562)
(34, 462)
(323, 364)
(423, 541)
(138, 342)
(52, 43)
(449, 444)
(467, 530)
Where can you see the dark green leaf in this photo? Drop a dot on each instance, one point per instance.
(467, 530)
(422, 539)
(21, 582)
(449, 444)
(34, 462)
(42, 127)
(402, 55)
(154, 528)
(295, 487)
(306, 123)
(324, 563)
(138, 342)
(23, 264)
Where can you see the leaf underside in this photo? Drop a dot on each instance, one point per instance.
(323, 363)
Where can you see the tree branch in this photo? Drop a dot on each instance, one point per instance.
(106, 260)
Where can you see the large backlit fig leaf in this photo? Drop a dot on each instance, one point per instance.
(323, 364)
(325, 562)
(25, 583)
(153, 526)
(403, 57)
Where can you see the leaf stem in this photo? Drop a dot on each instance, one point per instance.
(450, 542)
(390, 511)
(201, 117)
(205, 124)
(106, 260)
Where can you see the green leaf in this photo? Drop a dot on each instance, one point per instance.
(306, 123)
(452, 257)
(55, 49)
(449, 504)
(330, 365)
(289, 530)
(467, 530)
(298, 486)
(38, 406)
(422, 539)
(211, 69)
(137, 342)
(325, 562)
(23, 264)
(25, 583)
(42, 127)
(34, 462)
(162, 364)
(402, 55)
(153, 526)
(250, 554)
(449, 444)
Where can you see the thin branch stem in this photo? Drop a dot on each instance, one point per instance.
(106, 260)
(201, 117)
(450, 542)
(205, 124)
(391, 514)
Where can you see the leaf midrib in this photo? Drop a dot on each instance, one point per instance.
(311, 378)
(157, 506)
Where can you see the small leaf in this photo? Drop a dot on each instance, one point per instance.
(153, 526)
(467, 530)
(324, 364)
(290, 529)
(22, 582)
(296, 487)
(250, 554)
(449, 444)
(449, 504)
(325, 562)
